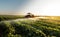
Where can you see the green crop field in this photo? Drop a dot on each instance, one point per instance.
(31, 28)
(9, 17)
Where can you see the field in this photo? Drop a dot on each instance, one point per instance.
(42, 27)
(9, 17)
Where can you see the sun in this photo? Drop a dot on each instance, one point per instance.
(46, 8)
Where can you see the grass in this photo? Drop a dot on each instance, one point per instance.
(9, 17)
(30, 28)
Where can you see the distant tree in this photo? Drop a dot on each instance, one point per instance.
(29, 15)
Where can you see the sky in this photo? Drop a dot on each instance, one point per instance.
(36, 7)
(8, 7)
